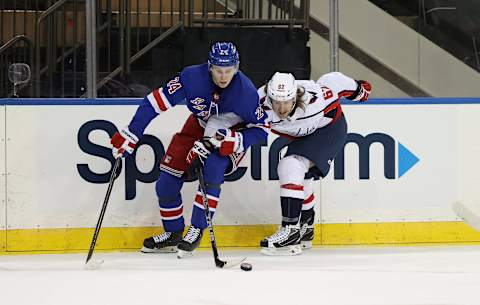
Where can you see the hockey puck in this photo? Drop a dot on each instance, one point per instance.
(246, 266)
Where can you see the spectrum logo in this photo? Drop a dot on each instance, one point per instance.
(406, 159)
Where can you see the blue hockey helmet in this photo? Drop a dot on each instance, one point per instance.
(223, 54)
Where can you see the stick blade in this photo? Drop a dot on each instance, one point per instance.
(469, 213)
(232, 263)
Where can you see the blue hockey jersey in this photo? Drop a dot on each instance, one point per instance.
(195, 87)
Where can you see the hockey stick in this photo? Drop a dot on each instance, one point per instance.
(470, 214)
(93, 264)
(203, 189)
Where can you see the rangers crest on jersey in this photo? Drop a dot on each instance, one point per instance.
(216, 97)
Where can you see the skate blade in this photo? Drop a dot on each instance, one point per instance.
(284, 251)
(307, 244)
(161, 250)
(184, 254)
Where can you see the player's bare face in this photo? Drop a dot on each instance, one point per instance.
(222, 76)
(283, 109)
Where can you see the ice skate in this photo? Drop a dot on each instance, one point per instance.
(163, 243)
(190, 242)
(286, 241)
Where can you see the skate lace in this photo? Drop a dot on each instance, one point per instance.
(281, 235)
(161, 237)
(192, 234)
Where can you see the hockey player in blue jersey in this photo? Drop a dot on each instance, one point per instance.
(210, 89)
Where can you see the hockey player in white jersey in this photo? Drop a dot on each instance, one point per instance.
(310, 115)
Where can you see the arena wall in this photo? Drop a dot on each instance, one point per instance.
(407, 161)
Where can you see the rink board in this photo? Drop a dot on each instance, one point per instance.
(3, 181)
(57, 163)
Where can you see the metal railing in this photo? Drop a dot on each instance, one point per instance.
(126, 31)
(51, 51)
(289, 13)
(190, 13)
(131, 22)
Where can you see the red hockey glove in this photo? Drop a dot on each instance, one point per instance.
(228, 141)
(201, 149)
(123, 143)
(364, 90)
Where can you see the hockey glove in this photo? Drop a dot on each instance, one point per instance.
(228, 141)
(363, 91)
(201, 149)
(123, 143)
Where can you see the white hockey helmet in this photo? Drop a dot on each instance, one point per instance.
(282, 87)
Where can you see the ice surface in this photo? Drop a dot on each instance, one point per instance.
(370, 276)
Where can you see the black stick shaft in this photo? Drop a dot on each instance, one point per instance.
(203, 189)
(104, 208)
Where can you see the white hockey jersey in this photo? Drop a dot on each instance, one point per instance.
(322, 105)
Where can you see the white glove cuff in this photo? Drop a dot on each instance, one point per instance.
(239, 143)
(128, 135)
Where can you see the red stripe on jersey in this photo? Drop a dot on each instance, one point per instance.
(346, 93)
(331, 107)
(173, 213)
(335, 105)
(212, 203)
(309, 199)
(291, 186)
(160, 102)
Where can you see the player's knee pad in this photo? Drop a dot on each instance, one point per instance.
(168, 187)
(292, 169)
(291, 172)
